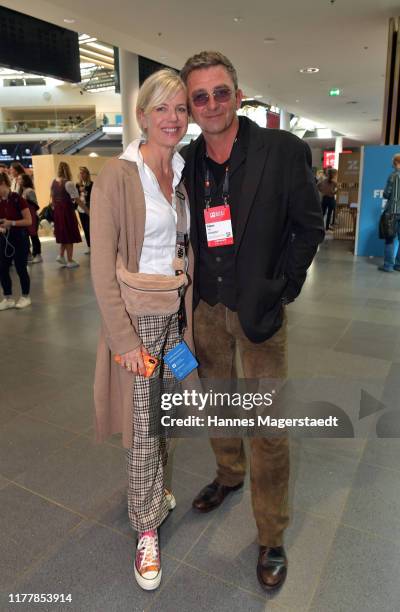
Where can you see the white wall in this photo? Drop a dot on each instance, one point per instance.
(60, 95)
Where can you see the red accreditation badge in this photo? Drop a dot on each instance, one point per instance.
(218, 225)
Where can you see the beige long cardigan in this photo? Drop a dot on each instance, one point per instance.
(117, 222)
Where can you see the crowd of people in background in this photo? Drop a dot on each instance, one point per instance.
(67, 198)
(20, 244)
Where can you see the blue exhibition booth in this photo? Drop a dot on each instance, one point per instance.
(376, 165)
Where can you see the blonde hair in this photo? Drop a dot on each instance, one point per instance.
(156, 89)
(64, 171)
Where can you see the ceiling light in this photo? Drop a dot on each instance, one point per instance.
(258, 96)
(297, 100)
(237, 19)
(69, 20)
(352, 102)
(93, 154)
(269, 40)
(309, 70)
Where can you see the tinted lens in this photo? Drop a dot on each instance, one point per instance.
(222, 95)
(200, 99)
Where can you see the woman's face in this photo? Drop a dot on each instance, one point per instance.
(83, 176)
(4, 190)
(167, 123)
(13, 173)
(397, 164)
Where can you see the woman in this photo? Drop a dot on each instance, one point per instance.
(16, 169)
(64, 197)
(84, 186)
(15, 218)
(392, 195)
(328, 189)
(28, 193)
(136, 208)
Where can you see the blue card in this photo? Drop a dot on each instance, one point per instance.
(181, 360)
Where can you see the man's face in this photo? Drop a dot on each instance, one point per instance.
(215, 116)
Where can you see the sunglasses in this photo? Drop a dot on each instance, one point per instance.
(220, 94)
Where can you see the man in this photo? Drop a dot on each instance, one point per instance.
(260, 181)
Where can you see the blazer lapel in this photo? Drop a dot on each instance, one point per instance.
(257, 155)
(136, 209)
(189, 179)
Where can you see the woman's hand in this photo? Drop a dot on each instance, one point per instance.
(133, 361)
(6, 224)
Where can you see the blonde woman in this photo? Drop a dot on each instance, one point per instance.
(64, 197)
(137, 204)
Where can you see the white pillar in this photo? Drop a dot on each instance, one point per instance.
(284, 122)
(129, 84)
(338, 149)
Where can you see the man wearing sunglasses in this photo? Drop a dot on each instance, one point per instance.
(256, 226)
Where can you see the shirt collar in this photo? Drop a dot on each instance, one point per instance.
(132, 153)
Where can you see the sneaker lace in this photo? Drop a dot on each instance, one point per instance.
(148, 547)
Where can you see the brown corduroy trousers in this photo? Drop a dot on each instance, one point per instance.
(222, 349)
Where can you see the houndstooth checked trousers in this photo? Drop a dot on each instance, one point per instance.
(147, 458)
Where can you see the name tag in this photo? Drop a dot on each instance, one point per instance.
(181, 360)
(218, 225)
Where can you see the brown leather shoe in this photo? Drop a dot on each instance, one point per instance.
(212, 496)
(271, 567)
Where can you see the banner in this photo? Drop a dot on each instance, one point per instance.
(376, 167)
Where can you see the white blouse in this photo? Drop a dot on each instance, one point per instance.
(159, 241)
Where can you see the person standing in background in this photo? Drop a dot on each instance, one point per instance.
(16, 169)
(15, 218)
(28, 193)
(392, 195)
(328, 189)
(84, 186)
(64, 198)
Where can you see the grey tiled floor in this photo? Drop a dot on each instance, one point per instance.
(63, 519)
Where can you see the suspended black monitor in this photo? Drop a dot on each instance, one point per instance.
(38, 47)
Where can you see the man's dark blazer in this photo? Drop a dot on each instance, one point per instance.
(279, 226)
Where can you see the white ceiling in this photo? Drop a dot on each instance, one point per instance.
(330, 35)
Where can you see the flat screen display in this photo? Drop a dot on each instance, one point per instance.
(38, 47)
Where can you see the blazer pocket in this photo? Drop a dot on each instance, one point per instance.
(260, 308)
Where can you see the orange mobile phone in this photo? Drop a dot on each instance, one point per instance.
(150, 363)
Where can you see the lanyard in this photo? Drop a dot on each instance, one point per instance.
(207, 186)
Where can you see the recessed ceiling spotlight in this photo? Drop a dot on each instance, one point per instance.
(237, 19)
(269, 40)
(69, 20)
(258, 96)
(309, 70)
(352, 102)
(297, 100)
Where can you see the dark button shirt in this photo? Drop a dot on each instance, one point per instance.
(216, 265)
